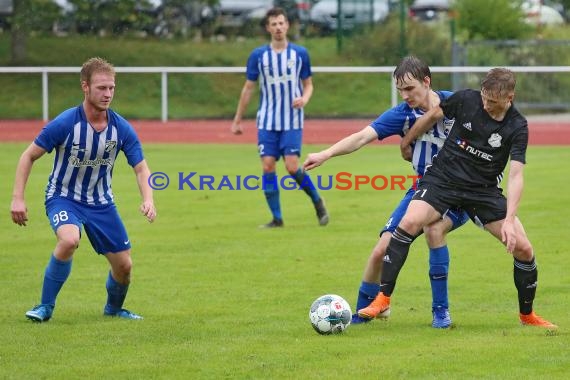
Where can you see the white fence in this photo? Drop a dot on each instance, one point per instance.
(164, 71)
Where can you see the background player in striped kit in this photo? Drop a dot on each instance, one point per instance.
(284, 73)
(87, 140)
(413, 80)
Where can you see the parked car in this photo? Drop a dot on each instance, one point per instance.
(298, 13)
(429, 10)
(174, 19)
(6, 9)
(239, 14)
(297, 10)
(324, 14)
(538, 13)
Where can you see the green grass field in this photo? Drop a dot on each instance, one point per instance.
(225, 300)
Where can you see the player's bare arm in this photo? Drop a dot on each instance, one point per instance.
(142, 173)
(514, 194)
(345, 146)
(18, 208)
(302, 101)
(244, 99)
(421, 126)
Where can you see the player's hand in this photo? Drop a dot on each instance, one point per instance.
(236, 128)
(508, 234)
(406, 151)
(148, 210)
(299, 102)
(314, 160)
(19, 212)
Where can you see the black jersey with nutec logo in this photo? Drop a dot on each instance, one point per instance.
(478, 147)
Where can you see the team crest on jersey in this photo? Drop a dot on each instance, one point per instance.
(110, 145)
(291, 63)
(495, 140)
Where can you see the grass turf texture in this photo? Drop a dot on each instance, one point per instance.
(223, 299)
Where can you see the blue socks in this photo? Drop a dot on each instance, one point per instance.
(55, 275)
(304, 181)
(116, 294)
(271, 190)
(438, 270)
(366, 294)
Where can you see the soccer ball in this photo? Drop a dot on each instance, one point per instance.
(330, 314)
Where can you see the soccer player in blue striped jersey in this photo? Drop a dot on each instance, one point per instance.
(413, 81)
(87, 140)
(284, 73)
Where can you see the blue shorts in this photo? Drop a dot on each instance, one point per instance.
(458, 216)
(279, 143)
(102, 223)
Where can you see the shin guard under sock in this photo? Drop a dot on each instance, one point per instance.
(271, 191)
(526, 280)
(116, 294)
(438, 271)
(55, 276)
(305, 183)
(396, 255)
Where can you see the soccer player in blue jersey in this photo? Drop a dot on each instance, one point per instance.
(413, 81)
(284, 73)
(87, 140)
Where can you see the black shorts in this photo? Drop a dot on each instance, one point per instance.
(484, 205)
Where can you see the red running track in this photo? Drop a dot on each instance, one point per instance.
(543, 131)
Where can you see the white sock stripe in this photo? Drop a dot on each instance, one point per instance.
(525, 267)
(401, 238)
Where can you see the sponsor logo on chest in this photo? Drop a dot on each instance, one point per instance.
(473, 151)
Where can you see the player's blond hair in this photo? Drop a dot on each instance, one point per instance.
(95, 65)
(499, 81)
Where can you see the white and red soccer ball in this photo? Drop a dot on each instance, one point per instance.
(330, 314)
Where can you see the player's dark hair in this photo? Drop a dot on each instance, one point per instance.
(275, 12)
(500, 81)
(411, 66)
(95, 65)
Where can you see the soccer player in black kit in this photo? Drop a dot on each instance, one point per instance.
(466, 173)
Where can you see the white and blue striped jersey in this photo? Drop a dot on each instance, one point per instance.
(398, 120)
(280, 81)
(84, 158)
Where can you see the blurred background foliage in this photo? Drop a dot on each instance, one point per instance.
(494, 34)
